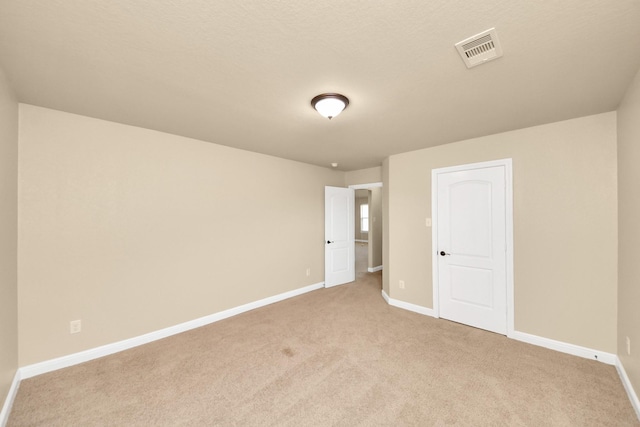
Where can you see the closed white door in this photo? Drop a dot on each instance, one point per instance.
(471, 247)
(339, 233)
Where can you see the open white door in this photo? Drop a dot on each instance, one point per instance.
(471, 244)
(339, 235)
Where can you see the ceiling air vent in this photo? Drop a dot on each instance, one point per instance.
(480, 48)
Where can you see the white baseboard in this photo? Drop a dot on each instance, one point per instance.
(633, 397)
(105, 350)
(374, 269)
(563, 347)
(8, 402)
(576, 350)
(84, 356)
(407, 305)
(385, 296)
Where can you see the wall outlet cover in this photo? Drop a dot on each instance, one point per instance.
(75, 326)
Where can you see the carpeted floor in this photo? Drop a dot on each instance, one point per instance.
(338, 356)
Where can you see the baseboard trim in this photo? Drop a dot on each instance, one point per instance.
(576, 350)
(385, 296)
(633, 397)
(374, 269)
(407, 305)
(563, 347)
(8, 402)
(105, 350)
(87, 355)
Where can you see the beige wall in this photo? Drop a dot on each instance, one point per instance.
(629, 231)
(364, 176)
(375, 227)
(8, 237)
(565, 224)
(133, 230)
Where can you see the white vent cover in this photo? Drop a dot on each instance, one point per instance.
(480, 48)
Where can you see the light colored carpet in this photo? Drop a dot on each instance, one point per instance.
(362, 257)
(338, 356)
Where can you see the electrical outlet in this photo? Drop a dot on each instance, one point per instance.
(427, 222)
(308, 271)
(628, 346)
(75, 326)
(401, 284)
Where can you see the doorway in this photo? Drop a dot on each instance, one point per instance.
(371, 221)
(340, 215)
(473, 245)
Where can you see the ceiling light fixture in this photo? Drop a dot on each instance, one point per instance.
(330, 105)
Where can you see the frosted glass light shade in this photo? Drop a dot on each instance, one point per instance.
(330, 105)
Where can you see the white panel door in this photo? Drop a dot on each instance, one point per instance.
(339, 235)
(471, 247)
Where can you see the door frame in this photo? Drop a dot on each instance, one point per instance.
(369, 246)
(507, 164)
(366, 186)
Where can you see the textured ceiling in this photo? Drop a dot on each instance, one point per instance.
(242, 73)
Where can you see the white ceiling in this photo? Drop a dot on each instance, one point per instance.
(242, 73)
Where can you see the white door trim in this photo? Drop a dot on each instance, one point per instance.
(507, 163)
(366, 186)
(369, 248)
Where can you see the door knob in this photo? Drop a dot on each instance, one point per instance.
(443, 253)
(329, 241)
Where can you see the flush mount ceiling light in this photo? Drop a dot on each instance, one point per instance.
(330, 105)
